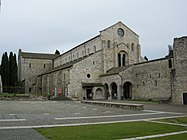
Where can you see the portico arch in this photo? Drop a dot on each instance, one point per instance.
(114, 91)
(127, 90)
(106, 88)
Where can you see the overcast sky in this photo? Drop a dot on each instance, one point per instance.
(46, 25)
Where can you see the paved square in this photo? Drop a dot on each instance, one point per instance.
(34, 114)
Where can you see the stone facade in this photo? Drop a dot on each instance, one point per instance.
(108, 66)
(32, 64)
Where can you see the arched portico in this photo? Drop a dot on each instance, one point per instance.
(106, 88)
(114, 91)
(127, 90)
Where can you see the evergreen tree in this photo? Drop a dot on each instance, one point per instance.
(10, 69)
(8, 72)
(5, 72)
(14, 71)
(57, 52)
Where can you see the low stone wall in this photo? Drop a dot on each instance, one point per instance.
(128, 106)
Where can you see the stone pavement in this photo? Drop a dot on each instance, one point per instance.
(21, 134)
(16, 115)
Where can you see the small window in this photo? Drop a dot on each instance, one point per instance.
(88, 75)
(82, 53)
(44, 66)
(143, 83)
(155, 82)
(30, 89)
(29, 65)
(108, 43)
(170, 63)
(77, 55)
(88, 51)
(95, 49)
(93, 62)
(132, 46)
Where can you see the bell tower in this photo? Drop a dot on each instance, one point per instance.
(180, 67)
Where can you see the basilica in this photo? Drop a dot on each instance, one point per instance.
(108, 66)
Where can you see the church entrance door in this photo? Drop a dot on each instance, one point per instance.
(89, 94)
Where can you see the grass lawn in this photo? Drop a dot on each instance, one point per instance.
(180, 120)
(107, 131)
(9, 95)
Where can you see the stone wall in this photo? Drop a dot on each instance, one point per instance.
(180, 69)
(149, 80)
(51, 83)
(86, 71)
(30, 68)
(152, 80)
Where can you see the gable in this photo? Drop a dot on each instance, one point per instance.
(114, 29)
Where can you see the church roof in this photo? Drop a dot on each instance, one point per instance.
(87, 85)
(67, 65)
(38, 55)
(116, 70)
(80, 45)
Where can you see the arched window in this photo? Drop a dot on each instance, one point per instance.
(123, 60)
(132, 46)
(88, 51)
(108, 43)
(82, 53)
(77, 55)
(155, 82)
(119, 60)
(95, 49)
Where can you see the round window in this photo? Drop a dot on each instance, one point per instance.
(120, 32)
(88, 75)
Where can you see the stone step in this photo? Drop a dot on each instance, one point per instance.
(59, 98)
(128, 106)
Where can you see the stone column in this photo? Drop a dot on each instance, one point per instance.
(119, 92)
(110, 93)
